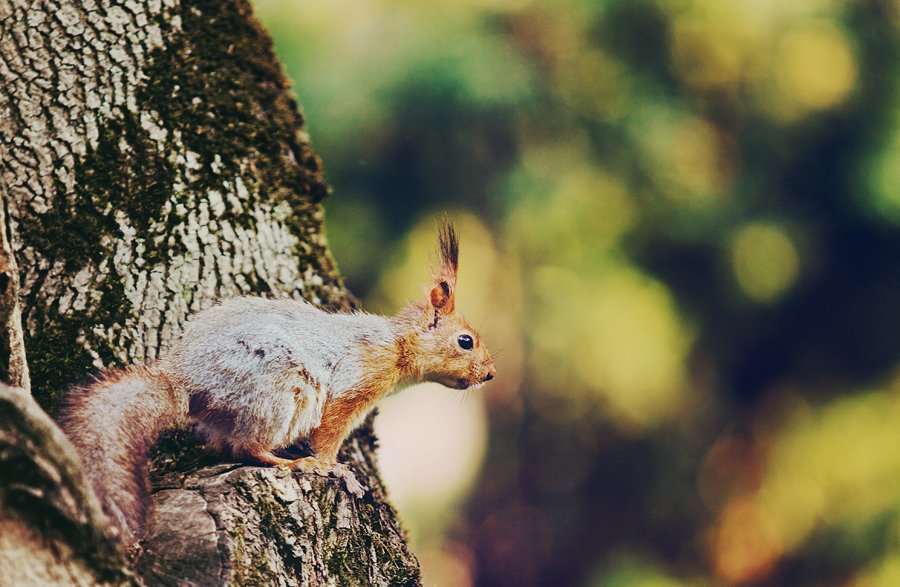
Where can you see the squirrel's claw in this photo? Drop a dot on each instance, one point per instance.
(337, 470)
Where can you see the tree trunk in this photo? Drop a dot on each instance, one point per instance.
(151, 161)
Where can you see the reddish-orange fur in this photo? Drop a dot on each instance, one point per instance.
(413, 357)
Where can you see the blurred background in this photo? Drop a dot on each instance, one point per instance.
(680, 227)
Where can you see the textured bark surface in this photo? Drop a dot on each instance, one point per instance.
(262, 526)
(13, 363)
(152, 160)
(51, 525)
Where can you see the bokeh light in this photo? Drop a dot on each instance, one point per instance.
(765, 261)
(680, 227)
(618, 333)
(815, 66)
(432, 445)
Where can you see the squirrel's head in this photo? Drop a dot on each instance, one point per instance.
(444, 347)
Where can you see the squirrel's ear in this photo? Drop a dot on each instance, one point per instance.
(442, 297)
(443, 293)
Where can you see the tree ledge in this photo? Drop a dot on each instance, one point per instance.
(229, 524)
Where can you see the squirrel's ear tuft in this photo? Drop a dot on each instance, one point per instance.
(449, 245)
(443, 292)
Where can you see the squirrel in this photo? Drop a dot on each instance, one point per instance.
(254, 375)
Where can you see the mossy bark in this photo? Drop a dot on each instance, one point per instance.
(152, 160)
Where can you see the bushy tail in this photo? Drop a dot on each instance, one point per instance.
(112, 424)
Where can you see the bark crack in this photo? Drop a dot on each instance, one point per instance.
(221, 539)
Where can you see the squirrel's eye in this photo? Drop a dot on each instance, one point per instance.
(465, 341)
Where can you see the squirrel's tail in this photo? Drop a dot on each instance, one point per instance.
(113, 423)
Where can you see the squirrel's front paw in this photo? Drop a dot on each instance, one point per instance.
(337, 470)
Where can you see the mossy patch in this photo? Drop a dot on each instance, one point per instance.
(249, 568)
(179, 451)
(58, 358)
(125, 172)
(220, 85)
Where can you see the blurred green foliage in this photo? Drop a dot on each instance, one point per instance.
(684, 229)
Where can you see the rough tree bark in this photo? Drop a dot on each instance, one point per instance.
(152, 160)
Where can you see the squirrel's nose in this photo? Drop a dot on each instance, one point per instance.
(490, 374)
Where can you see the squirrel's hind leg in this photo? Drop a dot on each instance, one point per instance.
(263, 456)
